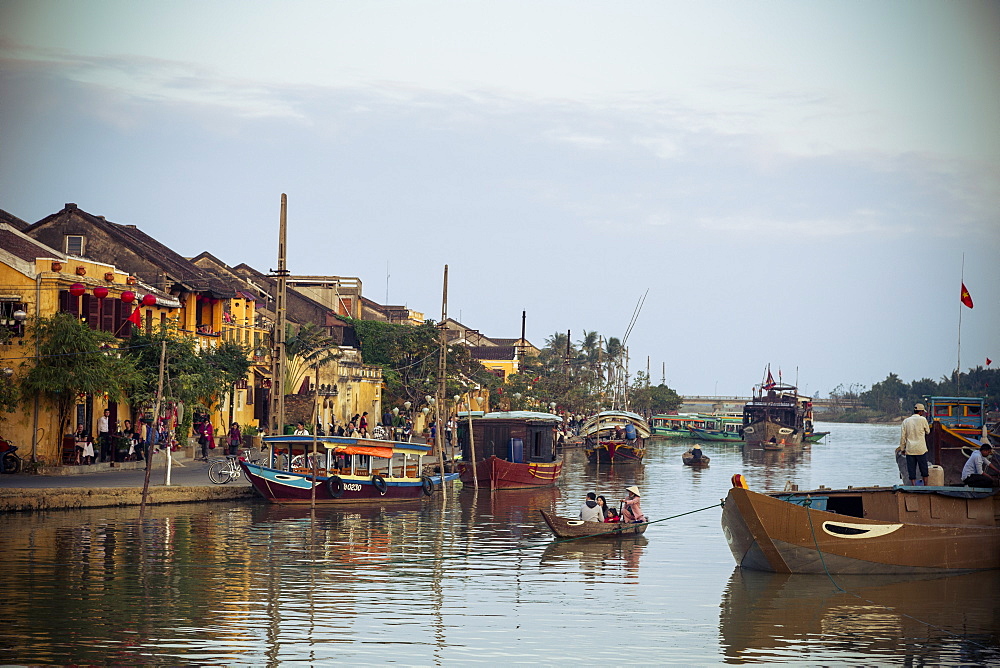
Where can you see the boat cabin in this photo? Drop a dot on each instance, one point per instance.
(780, 405)
(956, 412)
(515, 436)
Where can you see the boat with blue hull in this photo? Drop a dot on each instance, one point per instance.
(335, 469)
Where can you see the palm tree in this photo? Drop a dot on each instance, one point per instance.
(308, 347)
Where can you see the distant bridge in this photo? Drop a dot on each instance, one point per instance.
(733, 404)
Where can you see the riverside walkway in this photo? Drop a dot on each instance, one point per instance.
(101, 486)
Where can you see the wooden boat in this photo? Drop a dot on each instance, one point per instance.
(514, 450)
(673, 426)
(689, 460)
(905, 530)
(349, 470)
(776, 417)
(605, 445)
(957, 425)
(815, 436)
(567, 528)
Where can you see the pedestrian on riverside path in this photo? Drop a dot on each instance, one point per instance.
(235, 437)
(913, 442)
(104, 435)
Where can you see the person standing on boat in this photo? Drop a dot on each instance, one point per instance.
(913, 441)
(631, 512)
(300, 430)
(630, 434)
(974, 472)
(591, 511)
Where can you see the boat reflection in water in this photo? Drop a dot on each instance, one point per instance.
(602, 559)
(770, 617)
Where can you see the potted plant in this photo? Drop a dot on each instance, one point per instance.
(251, 436)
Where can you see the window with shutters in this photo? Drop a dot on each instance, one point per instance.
(76, 244)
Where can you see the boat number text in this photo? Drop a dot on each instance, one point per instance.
(352, 486)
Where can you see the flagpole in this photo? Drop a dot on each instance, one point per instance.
(958, 368)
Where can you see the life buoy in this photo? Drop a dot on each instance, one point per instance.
(427, 485)
(335, 486)
(380, 484)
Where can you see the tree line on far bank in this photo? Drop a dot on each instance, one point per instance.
(892, 398)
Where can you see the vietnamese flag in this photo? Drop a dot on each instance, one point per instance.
(966, 297)
(988, 361)
(134, 318)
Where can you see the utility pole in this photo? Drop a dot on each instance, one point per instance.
(156, 418)
(278, 339)
(442, 369)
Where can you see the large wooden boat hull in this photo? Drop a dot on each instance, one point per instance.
(771, 435)
(497, 473)
(279, 486)
(566, 528)
(768, 533)
(616, 452)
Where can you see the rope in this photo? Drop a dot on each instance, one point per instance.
(394, 562)
(807, 503)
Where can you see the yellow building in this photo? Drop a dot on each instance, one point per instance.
(39, 281)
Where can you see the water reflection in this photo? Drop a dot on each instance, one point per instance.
(770, 617)
(471, 577)
(599, 558)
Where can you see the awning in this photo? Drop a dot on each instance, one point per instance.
(361, 450)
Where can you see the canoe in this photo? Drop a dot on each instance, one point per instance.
(566, 528)
(688, 460)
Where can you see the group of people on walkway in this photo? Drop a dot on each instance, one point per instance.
(596, 508)
(115, 441)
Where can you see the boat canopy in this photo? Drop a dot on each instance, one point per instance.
(350, 446)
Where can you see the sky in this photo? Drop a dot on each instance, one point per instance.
(797, 184)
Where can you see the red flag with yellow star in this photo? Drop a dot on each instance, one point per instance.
(966, 297)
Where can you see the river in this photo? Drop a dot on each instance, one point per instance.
(468, 579)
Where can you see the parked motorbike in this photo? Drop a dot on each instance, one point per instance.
(10, 462)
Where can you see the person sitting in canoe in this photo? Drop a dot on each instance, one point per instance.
(602, 503)
(591, 511)
(631, 512)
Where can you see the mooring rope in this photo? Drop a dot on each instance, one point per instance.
(807, 503)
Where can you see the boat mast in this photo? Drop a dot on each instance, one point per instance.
(278, 339)
(442, 366)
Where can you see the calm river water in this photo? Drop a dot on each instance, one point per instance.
(477, 579)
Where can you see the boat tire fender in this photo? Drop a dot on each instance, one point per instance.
(427, 485)
(335, 486)
(380, 484)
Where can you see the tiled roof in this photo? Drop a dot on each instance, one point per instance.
(492, 352)
(24, 247)
(12, 220)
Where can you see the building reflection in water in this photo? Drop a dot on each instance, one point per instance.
(770, 617)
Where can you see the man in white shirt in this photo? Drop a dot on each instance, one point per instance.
(912, 441)
(103, 435)
(974, 472)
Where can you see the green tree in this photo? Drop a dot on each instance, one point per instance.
(652, 399)
(72, 360)
(307, 348)
(9, 396)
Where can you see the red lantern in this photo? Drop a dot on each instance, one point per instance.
(128, 297)
(148, 300)
(77, 289)
(100, 292)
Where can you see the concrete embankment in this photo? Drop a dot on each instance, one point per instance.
(57, 498)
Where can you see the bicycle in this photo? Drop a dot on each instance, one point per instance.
(10, 461)
(226, 470)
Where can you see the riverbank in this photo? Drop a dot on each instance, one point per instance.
(65, 498)
(104, 486)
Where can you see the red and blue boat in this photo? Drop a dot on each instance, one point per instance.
(336, 469)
